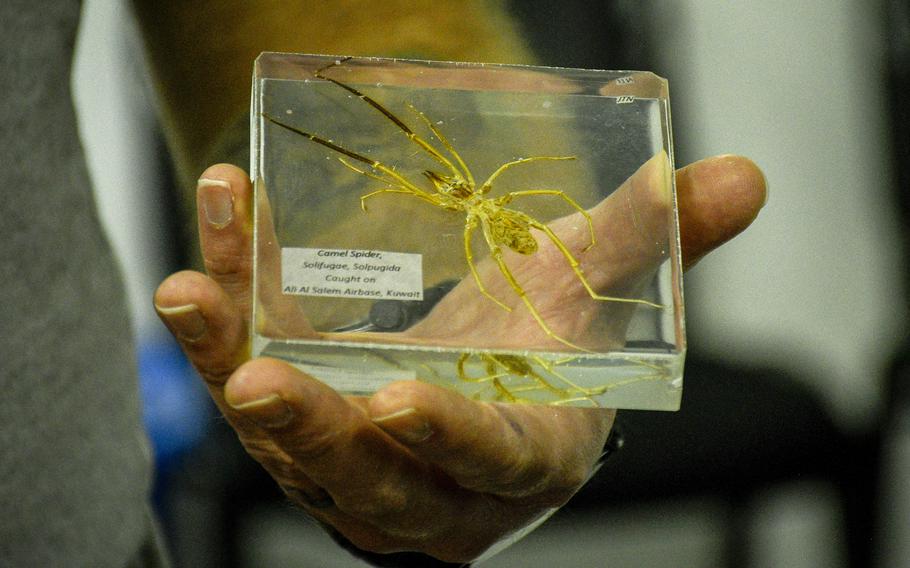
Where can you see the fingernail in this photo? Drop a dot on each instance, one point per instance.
(217, 201)
(185, 322)
(269, 412)
(407, 426)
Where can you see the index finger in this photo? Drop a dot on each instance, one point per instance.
(225, 210)
(224, 200)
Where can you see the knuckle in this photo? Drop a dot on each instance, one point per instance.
(308, 495)
(537, 476)
(269, 455)
(520, 471)
(226, 265)
(213, 376)
(555, 487)
(574, 477)
(309, 446)
(507, 476)
(384, 501)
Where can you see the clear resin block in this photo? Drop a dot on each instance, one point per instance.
(507, 231)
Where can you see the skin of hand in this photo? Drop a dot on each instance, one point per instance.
(414, 467)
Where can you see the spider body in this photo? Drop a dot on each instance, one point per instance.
(457, 191)
(509, 228)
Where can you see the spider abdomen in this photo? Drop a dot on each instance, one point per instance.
(510, 228)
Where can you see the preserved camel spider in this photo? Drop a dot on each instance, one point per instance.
(456, 190)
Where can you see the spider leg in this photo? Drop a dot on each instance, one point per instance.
(351, 166)
(484, 379)
(574, 204)
(445, 142)
(548, 367)
(502, 393)
(496, 253)
(576, 268)
(574, 400)
(489, 183)
(463, 375)
(375, 164)
(319, 140)
(546, 385)
(412, 136)
(658, 374)
(607, 388)
(393, 188)
(469, 227)
(538, 382)
(363, 198)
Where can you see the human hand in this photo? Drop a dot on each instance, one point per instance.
(415, 467)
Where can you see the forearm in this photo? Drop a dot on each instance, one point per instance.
(201, 53)
(201, 56)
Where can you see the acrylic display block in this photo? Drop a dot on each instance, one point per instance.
(507, 231)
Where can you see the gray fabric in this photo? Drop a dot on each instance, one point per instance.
(74, 464)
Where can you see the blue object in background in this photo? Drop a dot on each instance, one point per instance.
(177, 410)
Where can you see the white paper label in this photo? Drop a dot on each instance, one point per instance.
(350, 273)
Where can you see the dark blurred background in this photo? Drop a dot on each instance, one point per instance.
(793, 445)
